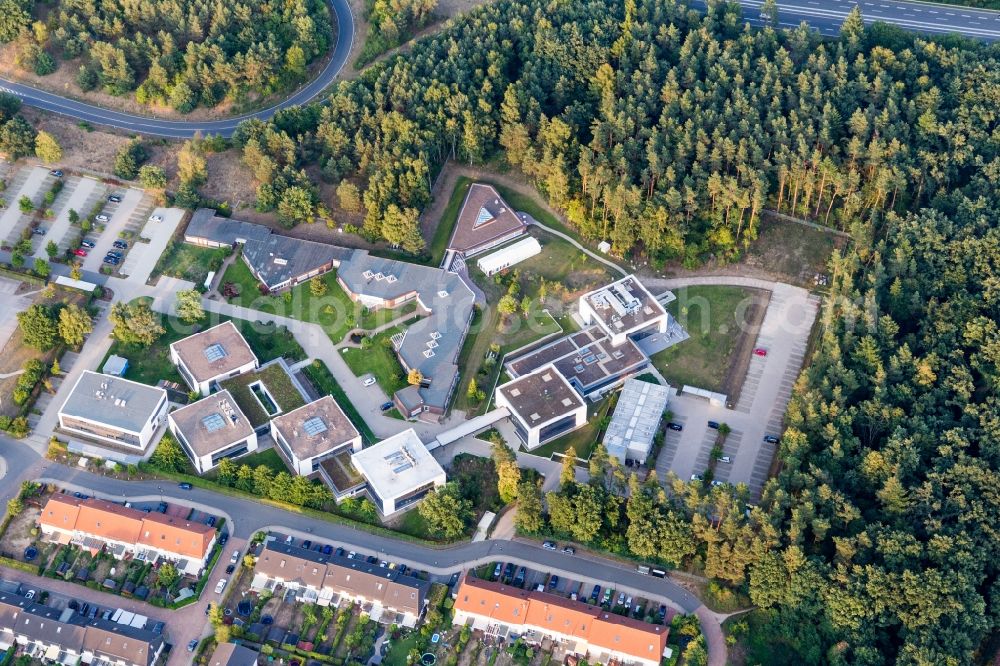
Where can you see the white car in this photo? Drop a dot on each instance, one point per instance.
(368, 380)
(156, 218)
(30, 595)
(725, 459)
(221, 585)
(102, 218)
(235, 558)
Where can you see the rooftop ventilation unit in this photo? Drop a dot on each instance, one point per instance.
(280, 262)
(428, 353)
(368, 275)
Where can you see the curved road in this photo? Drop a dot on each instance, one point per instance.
(180, 129)
(825, 16)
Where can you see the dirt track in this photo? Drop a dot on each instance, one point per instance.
(753, 317)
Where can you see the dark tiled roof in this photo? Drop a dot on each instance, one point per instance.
(277, 259)
(206, 224)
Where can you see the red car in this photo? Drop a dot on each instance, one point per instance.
(760, 352)
(80, 252)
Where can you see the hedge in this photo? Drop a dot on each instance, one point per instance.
(23, 277)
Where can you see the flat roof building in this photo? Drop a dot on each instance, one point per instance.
(587, 358)
(484, 221)
(508, 256)
(582, 629)
(113, 410)
(312, 433)
(212, 429)
(399, 470)
(208, 357)
(624, 308)
(542, 406)
(636, 420)
(96, 524)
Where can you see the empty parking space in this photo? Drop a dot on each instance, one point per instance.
(142, 257)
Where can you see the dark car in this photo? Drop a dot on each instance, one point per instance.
(120, 244)
(192, 645)
(184, 486)
(553, 582)
(87, 243)
(508, 571)
(327, 549)
(116, 255)
(595, 594)
(106, 615)
(230, 569)
(161, 507)
(74, 604)
(307, 544)
(224, 538)
(675, 426)
(93, 612)
(372, 559)
(339, 551)
(519, 578)
(663, 612)
(114, 261)
(386, 406)
(114, 198)
(714, 425)
(771, 439)
(79, 496)
(208, 608)
(569, 550)
(158, 627)
(211, 521)
(56, 172)
(39, 231)
(85, 608)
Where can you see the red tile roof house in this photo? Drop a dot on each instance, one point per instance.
(579, 628)
(95, 524)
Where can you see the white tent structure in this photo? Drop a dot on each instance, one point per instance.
(510, 255)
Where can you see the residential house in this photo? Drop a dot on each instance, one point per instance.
(215, 354)
(211, 430)
(312, 433)
(113, 410)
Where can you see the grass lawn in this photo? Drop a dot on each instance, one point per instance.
(413, 523)
(442, 234)
(278, 385)
(398, 654)
(269, 458)
(190, 262)
(325, 383)
(586, 438)
(334, 310)
(528, 204)
(380, 360)
(712, 316)
(148, 365)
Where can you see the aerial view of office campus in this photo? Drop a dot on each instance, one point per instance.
(499, 333)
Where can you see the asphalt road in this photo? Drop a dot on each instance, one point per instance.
(825, 16)
(184, 128)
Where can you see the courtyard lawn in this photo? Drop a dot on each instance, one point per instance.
(251, 400)
(380, 360)
(712, 316)
(190, 262)
(334, 310)
(324, 382)
(586, 438)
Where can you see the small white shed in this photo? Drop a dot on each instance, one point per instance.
(510, 255)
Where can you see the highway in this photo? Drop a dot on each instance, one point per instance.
(179, 129)
(825, 16)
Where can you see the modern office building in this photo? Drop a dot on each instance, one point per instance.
(636, 420)
(312, 433)
(399, 470)
(624, 308)
(113, 411)
(212, 429)
(206, 358)
(542, 406)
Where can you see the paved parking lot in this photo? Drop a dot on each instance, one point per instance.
(125, 216)
(10, 302)
(142, 257)
(761, 407)
(31, 183)
(78, 194)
